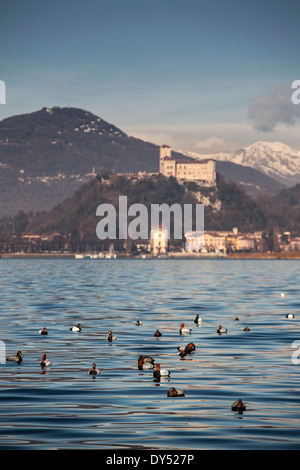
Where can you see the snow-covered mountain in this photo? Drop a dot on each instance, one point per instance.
(275, 159)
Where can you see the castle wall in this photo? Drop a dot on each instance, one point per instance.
(185, 170)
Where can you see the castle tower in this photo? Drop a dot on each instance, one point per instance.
(165, 151)
(164, 158)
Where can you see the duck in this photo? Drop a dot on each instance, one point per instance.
(238, 405)
(138, 323)
(236, 318)
(181, 351)
(172, 392)
(197, 319)
(144, 365)
(76, 328)
(247, 328)
(190, 347)
(148, 359)
(17, 358)
(157, 333)
(290, 315)
(184, 329)
(110, 337)
(158, 373)
(43, 331)
(221, 330)
(93, 370)
(45, 362)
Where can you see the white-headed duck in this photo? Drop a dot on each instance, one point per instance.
(172, 392)
(238, 405)
(45, 362)
(76, 328)
(184, 329)
(158, 373)
(17, 358)
(110, 337)
(197, 319)
(290, 315)
(43, 331)
(157, 333)
(93, 370)
(221, 330)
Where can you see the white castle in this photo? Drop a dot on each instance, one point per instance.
(190, 170)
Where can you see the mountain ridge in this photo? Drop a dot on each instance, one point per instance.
(275, 159)
(47, 154)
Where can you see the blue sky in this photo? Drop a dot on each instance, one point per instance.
(185, 73)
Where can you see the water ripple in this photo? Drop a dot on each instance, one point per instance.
(64, 407)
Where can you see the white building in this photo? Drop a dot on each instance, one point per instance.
(159, 240)
(190, 170)
(194, 241)
(214, 241)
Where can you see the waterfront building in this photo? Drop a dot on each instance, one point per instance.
(159, 240)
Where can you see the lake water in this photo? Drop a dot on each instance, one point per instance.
(63, 407)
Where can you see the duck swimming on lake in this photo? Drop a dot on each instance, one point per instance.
(157, 333)
(146, 359)
(238, 405)
(138, 323)
(182, 352)
(17, 358)
(190, 347)
(76, 328)
(172, 392)
(158, 373)
(93, 370)
(145, 365)
(43, 331)
(289, 315)
(184, 329)
(197, 319)
(221, 330)
(247, 328)
(236, 318)
(45, 362)
(110, 337)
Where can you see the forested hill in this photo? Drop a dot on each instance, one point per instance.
(226, 206)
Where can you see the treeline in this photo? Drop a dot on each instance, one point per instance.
(75, 218)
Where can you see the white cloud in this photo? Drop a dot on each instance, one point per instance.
(226, 136)
(214, 145)
(273, 108)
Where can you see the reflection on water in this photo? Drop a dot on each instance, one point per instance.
(63, 407)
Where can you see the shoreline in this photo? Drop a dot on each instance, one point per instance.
(183, 256)
(280, 255)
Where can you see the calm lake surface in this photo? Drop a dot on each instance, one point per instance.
(63, 407)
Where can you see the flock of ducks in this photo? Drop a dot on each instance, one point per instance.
(147, 362)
